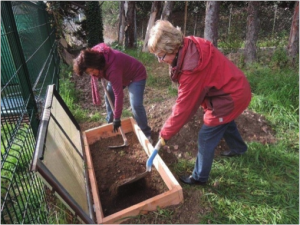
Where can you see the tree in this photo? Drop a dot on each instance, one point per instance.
(94, 23)
(195, 12)
(167, 10)
(293, 45)
(185, 17)
(156, 5)
(121, 33)
(252, 32)
(62, 13)
(67, 24)
(211, 22)
(130, 18)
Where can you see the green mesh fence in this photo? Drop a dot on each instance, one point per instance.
(29, 63)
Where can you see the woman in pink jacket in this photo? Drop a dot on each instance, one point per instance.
(121, 71)
(206, 78)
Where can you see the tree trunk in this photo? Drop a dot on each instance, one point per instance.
(185, 18)
(135, 28)
(293, 45)
(121, 23)
(230, 14)
(154, 11)
(94, 23)
(167, 10)
(252, 32)
(130, 23)
(275, 13)
(195, 26)
(211, 22)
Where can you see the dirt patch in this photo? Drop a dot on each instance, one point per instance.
(113, 166)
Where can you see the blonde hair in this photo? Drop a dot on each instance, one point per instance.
(164, 38)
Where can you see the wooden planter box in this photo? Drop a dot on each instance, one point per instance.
(171, 197)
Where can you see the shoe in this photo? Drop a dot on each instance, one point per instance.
(229, 154)
(190, 180)
(150, 140)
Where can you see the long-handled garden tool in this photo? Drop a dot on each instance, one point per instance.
(149, 163)
(120, 128)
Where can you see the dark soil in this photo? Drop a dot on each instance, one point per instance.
(114, 166)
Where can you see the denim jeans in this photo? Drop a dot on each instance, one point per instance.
(208, 139)
(136, 97)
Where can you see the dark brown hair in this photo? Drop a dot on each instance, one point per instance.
(88, 58)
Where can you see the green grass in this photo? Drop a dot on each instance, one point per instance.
(260, 187)
(17, 147)
(19, 153)
(70, 96)
(276, 96)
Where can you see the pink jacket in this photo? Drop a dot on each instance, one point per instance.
(207, 78)
(120, 70)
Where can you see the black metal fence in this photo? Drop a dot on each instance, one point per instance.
(29, 63)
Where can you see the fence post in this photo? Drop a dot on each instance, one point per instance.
(23, 75)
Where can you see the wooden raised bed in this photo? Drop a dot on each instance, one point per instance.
(173, 196)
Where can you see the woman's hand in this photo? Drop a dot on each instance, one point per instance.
(117, 124)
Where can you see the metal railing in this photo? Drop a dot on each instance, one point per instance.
(29, 63)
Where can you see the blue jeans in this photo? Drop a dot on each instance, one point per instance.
(208, 139)
(136, 97)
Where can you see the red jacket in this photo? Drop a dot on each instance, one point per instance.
(207, 78)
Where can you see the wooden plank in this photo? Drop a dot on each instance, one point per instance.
(93, 182)
(172, 197)
(158, 163)
(147, 146)
(95, 134)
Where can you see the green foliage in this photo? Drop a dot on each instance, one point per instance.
(122, 153)
(173, 91)
(265, 80)
(164, 212)
(279, 41)
(126, 113)
(280, 58)
(184, 166)
(230, 44)
(96, 117)
(59, 214)
(111, 11)
(276, 95)
(159, 81)
(94, 23)
(65, 71)
(16, 179)
(16, 155)
(70, 96)
(115, 45)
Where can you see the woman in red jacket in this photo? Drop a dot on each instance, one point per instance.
(207, 78)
